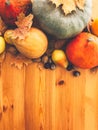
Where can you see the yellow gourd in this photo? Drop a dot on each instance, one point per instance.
(32, 46)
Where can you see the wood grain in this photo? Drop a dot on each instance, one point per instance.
(34, 98)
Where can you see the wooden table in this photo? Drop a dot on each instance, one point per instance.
(33, 98)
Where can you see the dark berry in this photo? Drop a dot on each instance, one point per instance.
(69, 67)
(76, 73)
(47, 65)
(52, 66)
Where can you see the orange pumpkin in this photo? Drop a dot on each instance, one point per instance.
(82, 51)
(10, 9)
(94, 26)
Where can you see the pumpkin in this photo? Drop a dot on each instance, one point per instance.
(82, 51)
(94, 26)
(10, 9)
(53, 20)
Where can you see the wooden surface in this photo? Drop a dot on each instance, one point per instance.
(32, 98)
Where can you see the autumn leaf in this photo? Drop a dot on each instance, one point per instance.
(69, 5)
(23, 23)
(3, 27)
(19, 61)
(2, 57)
(80, 4)
(89, 26)
(32, 1)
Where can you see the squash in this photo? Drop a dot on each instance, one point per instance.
(33, 45)
(53, 21)
(10, 9)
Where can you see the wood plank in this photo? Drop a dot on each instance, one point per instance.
(1, 100)
(34, 98)
(13, 96)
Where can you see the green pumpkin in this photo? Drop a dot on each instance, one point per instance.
(53, 20)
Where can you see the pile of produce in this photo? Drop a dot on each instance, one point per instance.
(50, 32)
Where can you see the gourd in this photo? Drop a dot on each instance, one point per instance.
(10, 9)
(53, 20)
(29, 41)
(33, 45)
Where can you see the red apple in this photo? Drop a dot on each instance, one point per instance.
(10, 9)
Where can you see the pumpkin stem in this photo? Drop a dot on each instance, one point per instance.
(7, 2)
(90, 39)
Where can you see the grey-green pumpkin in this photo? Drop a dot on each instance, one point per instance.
(53, 20)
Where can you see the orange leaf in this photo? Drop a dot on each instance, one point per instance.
(19, 61)
(3, 27)
(23, 23)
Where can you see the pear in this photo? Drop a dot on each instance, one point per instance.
(82, 50)
(2, 44)
(59, 58)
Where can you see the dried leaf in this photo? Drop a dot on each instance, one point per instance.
(23, 23)
(20, 33)
(19, 61)
(32, 1)
(40, 66)
(89, 26)
(3, 27)
(80, 4)
(2, 57)
(69, 5)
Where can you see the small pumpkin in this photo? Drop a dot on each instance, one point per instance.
(94, 26)
(53, 20)
(82, 51)
(10, 9)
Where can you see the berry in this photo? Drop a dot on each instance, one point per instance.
(76, 73)
(69, 67)
(47, 65)
(52, 66)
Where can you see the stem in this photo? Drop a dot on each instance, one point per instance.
(91, 39)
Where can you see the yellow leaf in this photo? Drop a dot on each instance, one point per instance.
(57, 2)
(24, 21)
(69, 5)
(2, 57)
(24, 24)
(80, 4)
(19, 61)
